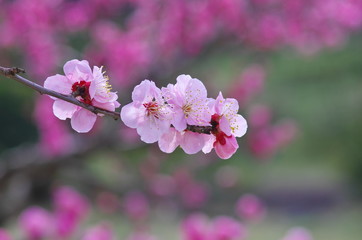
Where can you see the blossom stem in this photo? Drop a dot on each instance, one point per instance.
(13, 73)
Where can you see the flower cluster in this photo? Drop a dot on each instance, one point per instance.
(90, 87)
(182, 115)
(179, 115)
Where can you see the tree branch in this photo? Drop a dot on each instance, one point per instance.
(13, 74)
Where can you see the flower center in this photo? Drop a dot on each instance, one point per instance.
(152, 108)
(80, 90)
(187, 109)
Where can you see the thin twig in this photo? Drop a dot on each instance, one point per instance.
(13, 74)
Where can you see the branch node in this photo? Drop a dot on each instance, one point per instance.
(12, 71)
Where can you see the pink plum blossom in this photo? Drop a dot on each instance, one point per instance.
(89, 87)
(148, 112)
(250, 207)
(227, 228)
(70, 208)
(36, 223)
(188, 99)
(102, 231)
(227, 125)
(196, 227)
(136, 205)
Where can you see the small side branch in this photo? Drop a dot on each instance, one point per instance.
(13, 74)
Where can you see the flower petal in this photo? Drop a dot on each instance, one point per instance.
(225, 125)
(209, 143)
(151, 129)
(192, 142)
(226, 150)
(146, 91)
(83, 120)
(63, 109)
(179, 120)
(169, 141)
(238, 126)
(58, 83)
(83, 66)
(130, 115)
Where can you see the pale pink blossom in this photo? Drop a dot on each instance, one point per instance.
(36, 223)
(136, 205)
(196, 227)
(188, 99)
(227, 228)
(102, 231)
(70, 208)
(250, 207)
(90, 87)
(227, 125)
(148, 112)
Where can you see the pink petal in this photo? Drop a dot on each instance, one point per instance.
(93, 89)
(209, 143)
(145, 91)
(58, 83)
(219, 104)
(192, 142)
(107, 105)
(239, 126)
(179, 120)
(63, 109)
(169, 141)
(83, 120)
(196, 90)
(182, 83)
(151, 130)
(228, 149)
(225, 126)
(130, 115)
(73, 66)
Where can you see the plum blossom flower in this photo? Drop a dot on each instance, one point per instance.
(250, 207)
(188, 99)
(70, 208)
(148, 112)
(90, 87)
(227, 125)
(36, 223)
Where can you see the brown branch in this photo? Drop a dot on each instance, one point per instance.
(13, 74)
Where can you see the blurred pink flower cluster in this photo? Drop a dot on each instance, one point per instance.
(70, 216)
(133, 35)
(70, 208)
(264, 137)
(167, 115)
(134, 38)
